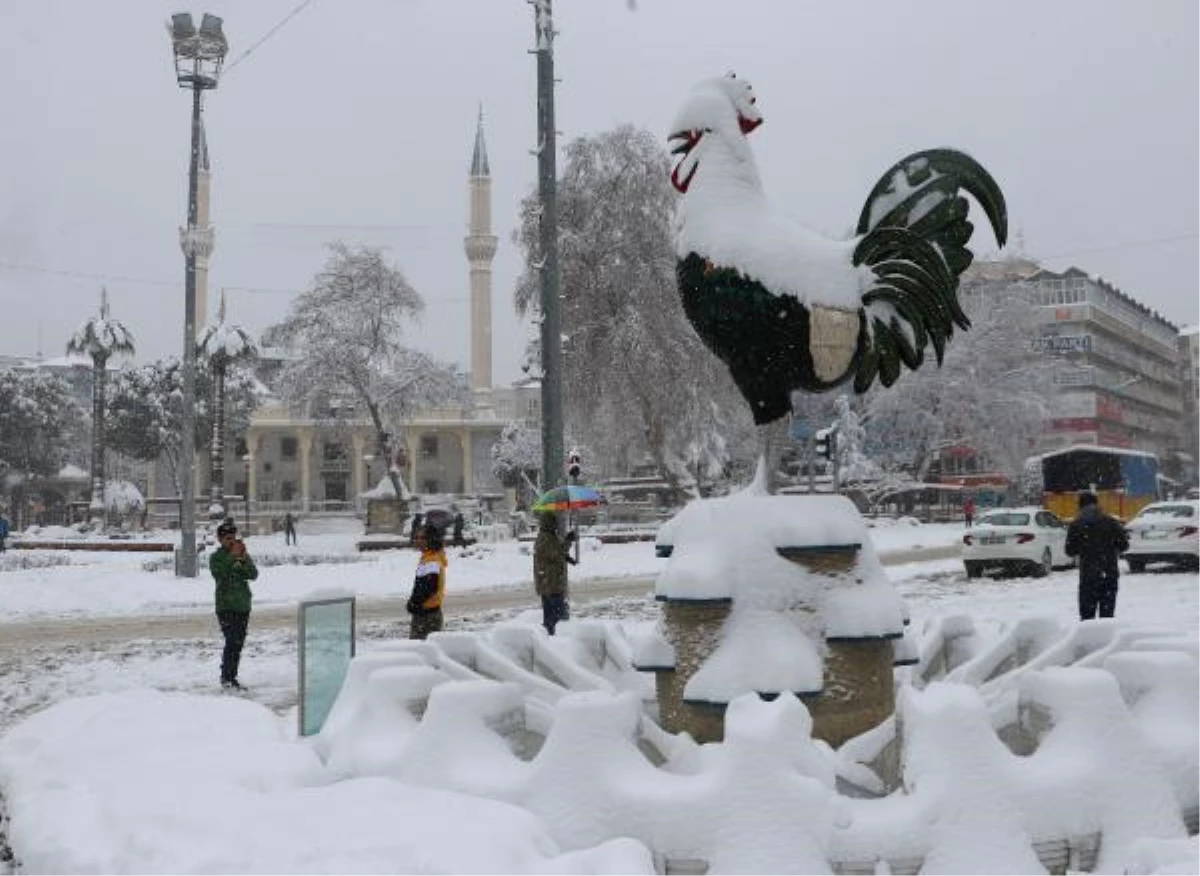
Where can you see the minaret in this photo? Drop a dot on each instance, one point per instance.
(480, 245)
(203, 181)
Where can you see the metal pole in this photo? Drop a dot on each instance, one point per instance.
(551, 329)
(187, 453)
(216, 499)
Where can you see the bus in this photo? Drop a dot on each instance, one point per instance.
(1124, 481)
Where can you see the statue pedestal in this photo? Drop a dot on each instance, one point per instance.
(386, 516)
(692, 628)
(839, 596)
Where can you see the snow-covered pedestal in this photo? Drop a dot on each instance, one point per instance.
(766, 594)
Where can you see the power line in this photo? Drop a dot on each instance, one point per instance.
(270, 33)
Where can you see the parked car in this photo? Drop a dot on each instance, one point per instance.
(1165, 532)
(1015, 539)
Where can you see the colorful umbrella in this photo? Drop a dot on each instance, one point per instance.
(568, 498)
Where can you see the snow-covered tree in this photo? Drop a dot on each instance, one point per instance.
(37, 417)
(347, 333)
(221, 343)
(517, 458)
(853, 465)
(145, 412)
(122, 502)
(100, 338)
(629, 354)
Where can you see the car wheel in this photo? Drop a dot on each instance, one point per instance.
(1045, 566)
(974, 570)
(1136, 566)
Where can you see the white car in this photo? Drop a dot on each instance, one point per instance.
(1165, 532)
(1009, 539)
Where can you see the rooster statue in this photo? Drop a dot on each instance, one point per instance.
(786, 308)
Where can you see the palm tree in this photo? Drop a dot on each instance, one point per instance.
(222, 344)
(100, 338)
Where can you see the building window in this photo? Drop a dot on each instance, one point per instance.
(332, 451)
(429, 449)
(429, 486)
(287, 491)
(287, 447)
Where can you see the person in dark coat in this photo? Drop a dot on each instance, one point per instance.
(429, 584)
(550, 557)
(289, 528)
(459, 523)
(3, 533)
(232, 570)
(1098, 541)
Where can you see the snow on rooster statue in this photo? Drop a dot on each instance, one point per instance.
(786, 308)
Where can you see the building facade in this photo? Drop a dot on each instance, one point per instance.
(1115, 363)
(1116, 366)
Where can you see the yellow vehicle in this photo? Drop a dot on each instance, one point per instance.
(1125, 481)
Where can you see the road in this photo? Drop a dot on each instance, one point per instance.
(62, 632)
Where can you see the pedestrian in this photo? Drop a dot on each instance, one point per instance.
(417, 520)
(550, 557)
(3, 533)
(1098, 541)
(289, 528)
(459, 523)
(429, 583)
(969, 511)
(232, 569)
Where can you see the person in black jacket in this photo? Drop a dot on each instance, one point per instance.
(1098, 540)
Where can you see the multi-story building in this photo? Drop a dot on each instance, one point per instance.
(1115, 365)
(1189, 380)
(1115, 362)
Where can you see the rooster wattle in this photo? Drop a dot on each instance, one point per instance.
(788, 309)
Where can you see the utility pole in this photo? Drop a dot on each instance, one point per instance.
(551, 328)
(199, 55)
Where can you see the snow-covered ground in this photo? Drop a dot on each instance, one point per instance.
(123, 758)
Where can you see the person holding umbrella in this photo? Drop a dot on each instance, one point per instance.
(550, 557)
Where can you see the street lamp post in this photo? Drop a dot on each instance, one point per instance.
(551, 328)
(199, 55)
(247, 461)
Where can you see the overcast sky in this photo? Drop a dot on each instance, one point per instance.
(355, 120)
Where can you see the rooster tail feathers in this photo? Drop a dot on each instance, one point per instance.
(925, 181)
(915, 233)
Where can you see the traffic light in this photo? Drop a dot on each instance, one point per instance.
(826, 443)
(574, 465)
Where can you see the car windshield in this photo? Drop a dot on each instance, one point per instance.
(1168, 511)
(1010, 518)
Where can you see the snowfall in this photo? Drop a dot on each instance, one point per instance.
(1026, 739)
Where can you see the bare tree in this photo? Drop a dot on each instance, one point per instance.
(346, 333)
(630, 355)
(100, 338)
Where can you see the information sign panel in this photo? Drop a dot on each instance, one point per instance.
(326, 642)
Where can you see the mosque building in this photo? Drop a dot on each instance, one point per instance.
(305, 465)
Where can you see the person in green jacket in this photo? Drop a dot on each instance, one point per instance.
(232, 570)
